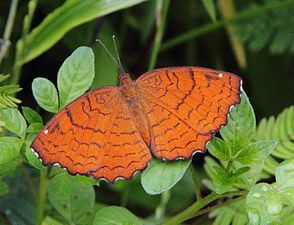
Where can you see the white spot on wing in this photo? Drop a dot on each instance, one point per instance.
(220, 75)
(45, 131)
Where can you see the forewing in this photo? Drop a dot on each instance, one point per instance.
(85, 138)
(197, 99)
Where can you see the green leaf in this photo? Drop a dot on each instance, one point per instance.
(285, 180)
(161, 176)
(84, 180)
(260, 31)
(45, 94)
(263, 204)
(280, 129)
(255, 152)
(210, 8)
(72, 200)
(115, 215)
(241, 170)
(69, 15)
(9, 148)
(6, 100)
(241, 125)
(34, 128)
(50, 221)
(223, 181)
(31, 115)
(219, 149)
(13, 121)
(76, 74)
(30, 155)
(9, 167)
(4, 189)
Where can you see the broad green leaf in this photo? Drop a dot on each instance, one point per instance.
(69, 15)
(263, 204)
(285, 179)
(34, 128)
(161, 176)
(4, 189)
(9, 167)
(115, 215)
(106, 71)
(31, 115)
(241, 125)
(84, 180)
(9, 148)
(30, 155)
(50, 221)
(72, 200)
(255, 152)
(76, 74)
(45, 94)
(13, 121)
(219, 149)
(210, 8)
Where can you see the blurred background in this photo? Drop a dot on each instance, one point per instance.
(251, 38)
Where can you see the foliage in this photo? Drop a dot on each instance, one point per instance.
(274, 29)
(280, 129)
(7, 92)
(248, 171)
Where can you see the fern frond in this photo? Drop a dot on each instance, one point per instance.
(274, 29)
(6, 100)
(280, 129)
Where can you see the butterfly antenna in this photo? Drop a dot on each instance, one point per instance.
(117, 55)
(111, 56)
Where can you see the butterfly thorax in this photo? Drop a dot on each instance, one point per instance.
(127, 87)
(129, 95)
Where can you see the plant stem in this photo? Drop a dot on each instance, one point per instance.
(214, 26)
(229, 166)
(209, 209)
(161, 13)
(227, 10)
(195, 207)
(41, 196)
(8, 29)
(160, 209)
(22, 42)
(191, 210)
(196, 181)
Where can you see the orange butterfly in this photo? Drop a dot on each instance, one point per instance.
(112, 132)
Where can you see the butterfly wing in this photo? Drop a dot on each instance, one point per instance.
(94, 135)
(185, 106)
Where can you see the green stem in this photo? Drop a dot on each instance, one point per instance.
(17, 67)
(214, 26)
(160, 25)
(229, 166)
(209, 209)
(196, 181)
(195, 207)
(191, 210)
(41, 196)
(8, 29)
(160, 209)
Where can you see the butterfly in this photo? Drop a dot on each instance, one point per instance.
(112, 132)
